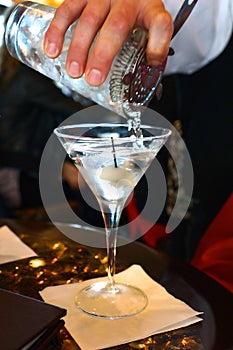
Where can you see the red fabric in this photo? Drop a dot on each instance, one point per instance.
(151, 233)
(214, 254)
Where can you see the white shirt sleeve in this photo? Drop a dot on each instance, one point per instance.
(203, 36)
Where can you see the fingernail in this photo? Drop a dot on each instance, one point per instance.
(94, 77)
(74, 69)
(51, 49)
(155, 63)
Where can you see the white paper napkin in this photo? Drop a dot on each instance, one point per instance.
(163, 313)
(12, 248)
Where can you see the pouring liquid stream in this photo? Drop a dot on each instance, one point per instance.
(135, 126)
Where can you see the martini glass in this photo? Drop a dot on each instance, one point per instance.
(112, 160)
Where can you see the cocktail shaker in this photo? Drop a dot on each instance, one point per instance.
(130, 84)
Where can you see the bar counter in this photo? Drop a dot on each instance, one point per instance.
(61, 260)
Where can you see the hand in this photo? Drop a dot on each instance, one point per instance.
(114, 19)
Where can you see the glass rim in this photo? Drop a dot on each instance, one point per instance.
(60, 131)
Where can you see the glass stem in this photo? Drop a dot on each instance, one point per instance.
(111, 218)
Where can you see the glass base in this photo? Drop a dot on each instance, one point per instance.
(101, 300)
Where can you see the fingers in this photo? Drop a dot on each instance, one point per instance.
(85, 32)
(64, 16)
(123, 16)
(160, 28)
(160, 34)
(112, 20)
(113, 33)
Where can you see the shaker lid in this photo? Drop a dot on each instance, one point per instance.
(133, 82)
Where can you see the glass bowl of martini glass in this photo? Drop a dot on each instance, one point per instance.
(111, 159)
